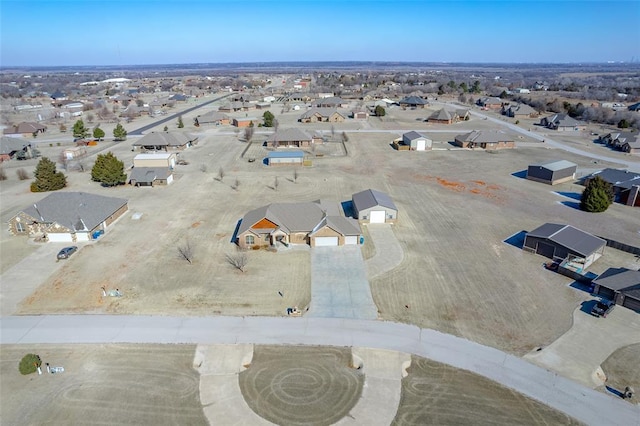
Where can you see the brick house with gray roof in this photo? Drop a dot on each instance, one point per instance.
(68, 216)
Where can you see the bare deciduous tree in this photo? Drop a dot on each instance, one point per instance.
(22, 174)
(275, 183)
(238, 260)
(3, 174)
(203, 168)
(248, 133)
(236, 184)
(295, 175)
(185, 251)
(276, 124)
(220, 174)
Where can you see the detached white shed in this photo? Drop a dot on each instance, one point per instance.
(417, 141)
(373, 206)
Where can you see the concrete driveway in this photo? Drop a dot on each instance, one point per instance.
(579, 352)
(339, 285)
(389, 253)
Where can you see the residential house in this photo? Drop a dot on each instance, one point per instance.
(25, 129)
(292, 137)
(444, 116)
(553, 172)
(623, 141)
(491, 103)
(565, 243)
(330, 102)
(165, 141)
(212, 117)
(371, 206)
(246, 121)
(9, 147)
(562, 123)
(485, 139)
(626, 185)
(150, 176)
(413, 102)
(309, 223)
(620, 285)
(68, 216)
(519, 111)
(314, 115)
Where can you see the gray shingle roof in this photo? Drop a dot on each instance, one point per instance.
(413, 135)
(324, 112)
(556, 165)
(485, 136)
(441, 114)
(212, 117)
(292, 217)
(413, 100)
(71, 208)
(342, 225)
(619, 178)
(165, 139)
(370, 198)
(149, 174)
(9, 145)
(289, 135)
(626, 281)
(567, 236)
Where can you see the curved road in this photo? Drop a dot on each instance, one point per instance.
(582, 403)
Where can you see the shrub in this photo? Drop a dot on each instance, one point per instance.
(22, 174)
(3, 174)
(29, 364)
(597, 196)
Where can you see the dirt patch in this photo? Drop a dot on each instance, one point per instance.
(621, 369)
(437, 394)
(102, 384)
(301, 385)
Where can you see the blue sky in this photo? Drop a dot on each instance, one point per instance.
(117, 32)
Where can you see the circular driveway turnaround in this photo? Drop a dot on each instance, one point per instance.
(582, 403)
(301, 385)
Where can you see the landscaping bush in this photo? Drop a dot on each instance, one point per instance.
(29, 364)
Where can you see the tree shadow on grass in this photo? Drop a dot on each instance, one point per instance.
(572, 195)
(571, 204)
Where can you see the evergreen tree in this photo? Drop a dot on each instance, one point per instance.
(98, 133)
(47, 179)
(180, 123)
(108, 170)
(379, 111)
(79, 130)
(268, 119)
(119, 133)
(597, 196)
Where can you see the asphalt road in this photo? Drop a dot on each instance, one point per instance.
(141, 130)
(584, 404)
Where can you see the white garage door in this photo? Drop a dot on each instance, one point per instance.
(377, 216)
(59, 238)
(351, 240)
(326, 241)
(420, 144)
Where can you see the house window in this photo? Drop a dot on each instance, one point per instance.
(20, 227)
(249, 239)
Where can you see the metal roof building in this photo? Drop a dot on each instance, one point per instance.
(621, 285)
(552, 173)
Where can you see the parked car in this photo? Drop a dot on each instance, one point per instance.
(602, 308)
(66, 252)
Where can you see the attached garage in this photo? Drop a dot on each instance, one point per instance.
(620, 285)
(326, 241)
(351, 240)
(59, 238)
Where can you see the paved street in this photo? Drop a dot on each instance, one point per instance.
(574, 399)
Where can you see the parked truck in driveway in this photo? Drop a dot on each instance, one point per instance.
(602, 308)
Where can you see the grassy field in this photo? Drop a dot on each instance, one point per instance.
(621, 369)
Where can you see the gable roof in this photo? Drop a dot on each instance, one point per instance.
(563, 120)
(413, 135)
(626, 281)
(322, 111)
(342, 225)
(574, 239)
(441, 114)
(165, 139)
(149, 174)
(9, 145)
(25, 127)
(75, 210)
(485, 136)
(370, 198)
(291, 217)
(522, 109)
(556, 165)
(619, 178)
(212, 116)
(289, 135)
(413, 100)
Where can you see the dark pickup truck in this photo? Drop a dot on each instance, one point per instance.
(602, 308)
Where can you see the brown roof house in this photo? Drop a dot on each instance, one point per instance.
(485, 139)
(25, 129)
(443, 116)
(165, 141)
(314, 115)
(520, 111)
(292, 137)
(68, 216)
(315, 223)
(620, 285)
(212, 117)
